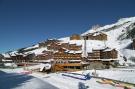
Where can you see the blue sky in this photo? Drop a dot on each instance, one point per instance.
(26, 22)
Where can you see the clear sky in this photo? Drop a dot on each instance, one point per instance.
(26, 22)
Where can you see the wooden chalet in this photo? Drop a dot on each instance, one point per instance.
(53, 46)
(109, 54)
(45, 56)
(66, 61)
(57, 46)
(65, 45)
(71, 46)
(103, 54)
(95, 36)
(19, 59)
(66, 55)
(102, 58)
(95, 54)
(75, 37)
(74, 47)
(67, 65)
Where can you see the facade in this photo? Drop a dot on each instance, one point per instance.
(75, 37)
(103, 54)
(67, 56)
(54, 46)
(67, 65)
(18, 58)
(95, 36)
(57, 46)
(74, 47)
(71, 46)
(109, 54)
(95, 54)
(45, 56)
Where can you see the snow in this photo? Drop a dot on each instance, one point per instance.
(38, 51)
(64, 39)
(75, 51)
(35, 46)
(128, 54)
(47, 66)
(17, 80)
(6, 55)
(12, 80)
(63, 82)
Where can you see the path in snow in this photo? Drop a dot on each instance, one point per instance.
(22, 81)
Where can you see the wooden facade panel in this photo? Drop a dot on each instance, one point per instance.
(66, 56)
(101, 54)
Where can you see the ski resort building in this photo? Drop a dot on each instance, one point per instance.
(54, 46)
(67, 60)
(57, 46)
(67, 65)
(67, 55)
(103, 54)
(95, 36)
(102, 58)
(71, 46)
(75, 37)
(45, 56)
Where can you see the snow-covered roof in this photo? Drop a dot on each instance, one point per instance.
(74, 60)
(103, 59)
(6, 55)
(75, 51)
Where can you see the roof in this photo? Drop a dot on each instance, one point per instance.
(75, 51)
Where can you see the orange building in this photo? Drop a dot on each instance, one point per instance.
(75, 37)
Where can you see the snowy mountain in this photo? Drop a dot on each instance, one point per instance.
(119, 34)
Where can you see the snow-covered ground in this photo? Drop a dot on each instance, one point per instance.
(16, 80)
